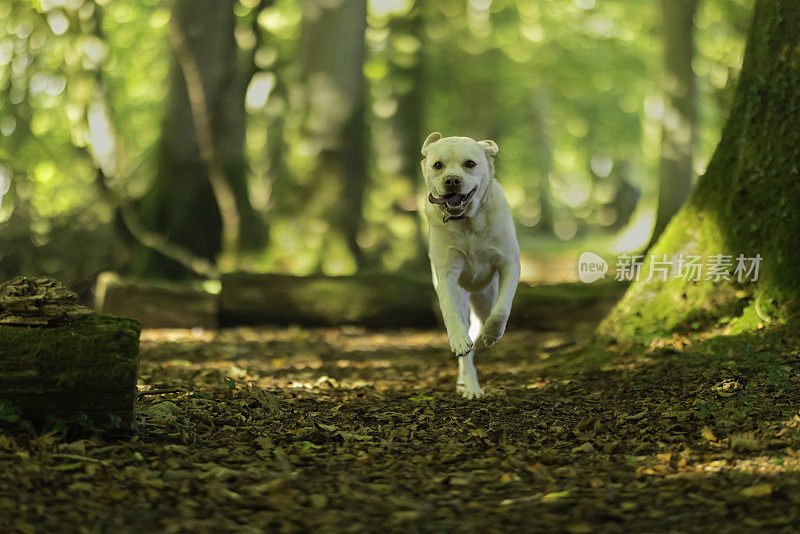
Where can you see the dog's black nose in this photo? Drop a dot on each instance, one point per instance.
(452, 182)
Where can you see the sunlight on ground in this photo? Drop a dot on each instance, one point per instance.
(334, 358)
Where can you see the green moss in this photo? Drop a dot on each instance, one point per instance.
(748, 321)
(748, 202)
(77, 354)
(659, 307)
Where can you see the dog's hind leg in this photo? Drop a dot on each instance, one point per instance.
(467, 383)
(480, 306)
(467, 380)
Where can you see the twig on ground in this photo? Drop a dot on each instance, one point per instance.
(76, 457)
(159, 391)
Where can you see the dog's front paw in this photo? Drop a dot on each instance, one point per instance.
(493, 330)
(460, 343)
(471, 390)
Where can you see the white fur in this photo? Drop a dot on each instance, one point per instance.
(474, 260)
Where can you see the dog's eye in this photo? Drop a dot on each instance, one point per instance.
(469, 164)
(438, 165)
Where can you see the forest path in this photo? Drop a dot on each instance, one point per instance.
(348, 430)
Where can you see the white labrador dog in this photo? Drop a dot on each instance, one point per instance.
(473, 247)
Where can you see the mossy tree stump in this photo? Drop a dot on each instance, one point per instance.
(59, 359)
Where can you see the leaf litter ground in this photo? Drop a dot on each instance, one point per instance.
(348, 430)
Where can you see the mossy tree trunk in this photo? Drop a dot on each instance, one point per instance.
(202, 141)
(679, 120)
(748, 202)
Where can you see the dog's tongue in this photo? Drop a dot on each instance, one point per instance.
(452, 198)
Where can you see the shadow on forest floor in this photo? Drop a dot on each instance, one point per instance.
(347, 430)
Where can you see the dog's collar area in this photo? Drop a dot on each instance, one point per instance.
(449, 218)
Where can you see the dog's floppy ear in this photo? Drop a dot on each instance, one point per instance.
(489, 146)
(432, 138)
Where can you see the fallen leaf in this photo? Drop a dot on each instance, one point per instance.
(707, 434)
(586, 448)
(550, 497)
(760, 490)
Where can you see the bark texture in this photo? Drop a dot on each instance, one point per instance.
(38, 302)
(748, 202)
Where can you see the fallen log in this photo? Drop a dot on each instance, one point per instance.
(391, 300)
(371, 300)
(156, 304)
(58, 359)
(563, 306)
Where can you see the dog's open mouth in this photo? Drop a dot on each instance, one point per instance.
(454, 203)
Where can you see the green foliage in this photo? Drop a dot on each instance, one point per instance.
(13, 421)
(83, 87)
(8, 413)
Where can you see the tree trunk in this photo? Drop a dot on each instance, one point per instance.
(626, 197)
(748, 202)
(544, 146)
(333, 59)
(407, 73)
(679, 120)
(198, 198)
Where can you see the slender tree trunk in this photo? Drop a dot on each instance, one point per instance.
(407, 72)
(626, 197)
(747, 203)
(679, 122)
(199, 196)
(544, 147)
(333, 59)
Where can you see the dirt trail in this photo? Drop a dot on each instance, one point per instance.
(355, 431)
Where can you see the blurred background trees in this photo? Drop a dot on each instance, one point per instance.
(161, 137)
(198, 195)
